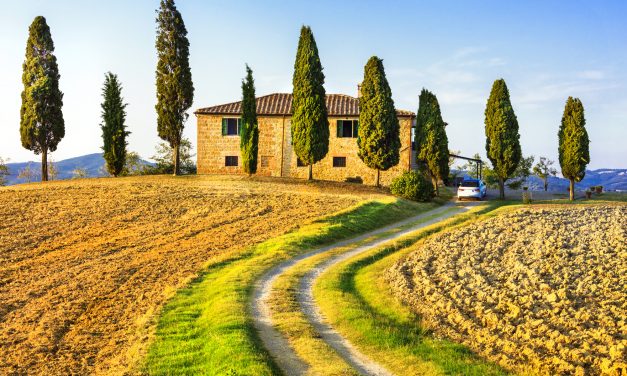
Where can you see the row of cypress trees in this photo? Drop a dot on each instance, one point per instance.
(41, 118)
(503, 138)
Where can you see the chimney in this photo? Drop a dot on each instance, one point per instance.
(358, 90)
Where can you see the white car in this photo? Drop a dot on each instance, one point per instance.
(471, 188)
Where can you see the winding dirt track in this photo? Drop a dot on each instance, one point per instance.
(278, 346)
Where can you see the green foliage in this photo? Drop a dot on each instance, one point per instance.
(310, 124)
(501, 130)
(133, 165)
(41, 119)
(543, 169)
(430, 137)
(522, 172)
(249, 136)
(574, 154)
(412, 186)
(379, 132)
(4, 171)
(175, 90)
(113, 128)
(27, 174)
(164, 159)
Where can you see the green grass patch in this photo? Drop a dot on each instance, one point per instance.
(356, 301)
(207, 329)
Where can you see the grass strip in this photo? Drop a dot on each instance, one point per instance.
(207, 329)
(356, 301)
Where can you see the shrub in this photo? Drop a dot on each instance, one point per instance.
(412, 186)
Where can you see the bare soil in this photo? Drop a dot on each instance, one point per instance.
(538, 290)
(85, 265)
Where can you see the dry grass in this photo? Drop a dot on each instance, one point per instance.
(84, 265)
(538, 290)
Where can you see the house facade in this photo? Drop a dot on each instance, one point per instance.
(219, 142)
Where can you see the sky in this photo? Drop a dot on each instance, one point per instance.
(545, 51)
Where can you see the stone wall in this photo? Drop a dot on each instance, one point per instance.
(277, 158)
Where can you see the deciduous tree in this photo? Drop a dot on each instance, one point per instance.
(543, 169)
(4, 172)
(175, 90)
(113, 128)
(574, 154)
(430, 138)
(502, 138)
(310, 124)
(379, 132)
(41, 119)
(249, 135)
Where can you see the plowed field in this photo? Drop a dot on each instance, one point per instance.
(536, 290)
(84, 265)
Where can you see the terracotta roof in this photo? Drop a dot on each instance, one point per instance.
(281, 104)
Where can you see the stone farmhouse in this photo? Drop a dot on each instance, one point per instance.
(219, 143)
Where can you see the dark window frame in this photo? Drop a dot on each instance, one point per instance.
(300, 163)
(339, 162)
(347, 128)
(231, 161)
(230, 129)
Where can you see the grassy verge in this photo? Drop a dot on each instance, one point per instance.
(356, 301)
(206, 328)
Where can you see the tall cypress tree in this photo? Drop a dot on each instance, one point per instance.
(501, 130)
(175, 90)
(41, 119)
(379, 132)
(310, 124)
(113, 128)
(574, 154)
(430, 137)
(249, 135)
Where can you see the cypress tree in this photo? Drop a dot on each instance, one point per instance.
(113, 128)
(175, 90)
(379, 132)
(310, 125)
(249, 135)
(431, 140)
(41, 119)
(501, 130)
(574, 154)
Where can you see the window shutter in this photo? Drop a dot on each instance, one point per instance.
(239, 126)
(224, 126)
(355, 128)
(340, 127)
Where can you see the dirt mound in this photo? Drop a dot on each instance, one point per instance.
(84, 264)
(536, 290)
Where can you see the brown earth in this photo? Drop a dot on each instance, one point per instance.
(84, 265)
(539, 290)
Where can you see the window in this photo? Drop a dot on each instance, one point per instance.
(300, 163)
(347, 128)
(230, 161)
(231, 126)
(339, 161)
(265, 160)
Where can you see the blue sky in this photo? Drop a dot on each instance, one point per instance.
(545, 50)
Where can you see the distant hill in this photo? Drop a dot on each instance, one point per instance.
(92, 163)
(610, 179)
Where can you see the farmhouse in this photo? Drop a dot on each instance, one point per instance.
(219, 142)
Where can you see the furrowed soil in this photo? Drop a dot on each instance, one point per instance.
(538, 290)
(85, 265)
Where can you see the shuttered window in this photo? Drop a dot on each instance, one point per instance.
(347, 128)
(231, 126)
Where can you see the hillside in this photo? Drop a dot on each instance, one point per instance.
(85, 264)
(92, 163)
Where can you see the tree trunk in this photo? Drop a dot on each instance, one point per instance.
(378, 175)
(434, 181)
(310, 172)
(572, 189)
(501, 188)
(546, 184)
(44, 165)
(177, 160)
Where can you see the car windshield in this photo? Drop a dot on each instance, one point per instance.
(469, 184)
